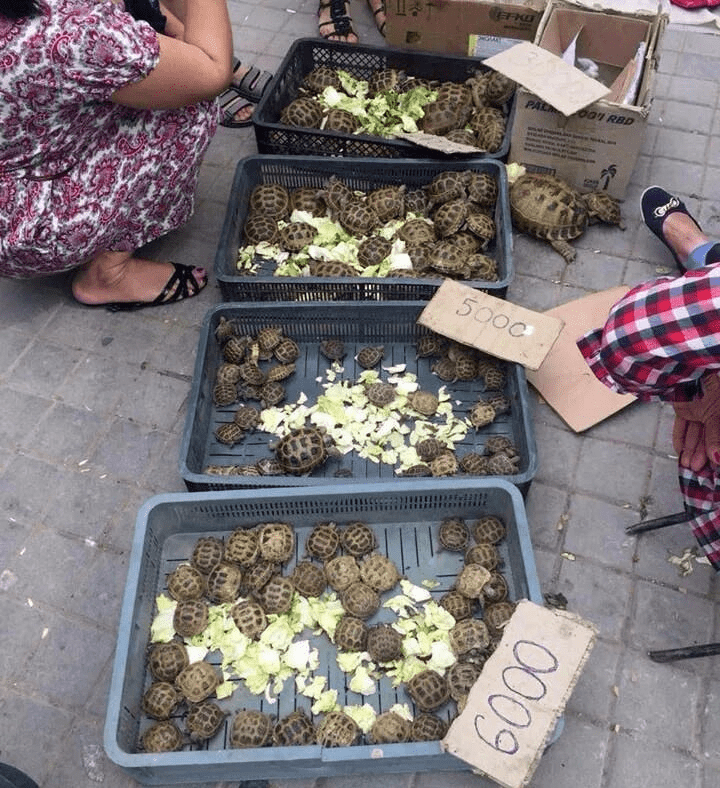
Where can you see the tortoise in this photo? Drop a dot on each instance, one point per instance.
(166, 660)
(445, 464)
(163, 736)
(469, 634)
(489, 125)
(198, 681)
(331, 268)
(480, 266)
(271, 393)
(388, 202)
(303, 111)
(498, 443)
(224, 393)
(251, 373)
(416, 202)
(333, 349)
(271, 199)
(307, 199)
(224, 330)
(335, 193)
(488, 529)
(258, 574)
(454, 534)
(465, 241)
(448, 259)
(294, 236)
(342, 571)
(337, 729)
(370, 355)
(303, 449)
(160, 700)
(430, 345)
(549, 209)
(501, 465)
(481, 414)
(227, 373)
(448, 185)
(242, 547)
(360, 600)
(416, 231)
(466, 366)
(308, 578)
(357, 217)
(384, 644)
(428, 689)
(223, 583)
(235, 349)
(261, 227)
(286, 351)
(321, 77)
(494, 377)
(471, 579)
(450, 217)
(269, 466)
(500, 404)
(373, 249)
(323, 541)
(474, 463)
(458, 605)
(455, 92)
(389, 727)
(203, 720)
(250, 728)
(229, 433)
(267, 338)
(384, 79)
(247, 417)
(249, 617)
(482, 227)
(497, 615)
(499, 89)
(441, 116)
(462, 137)
(427, 727)
(351, 634)
(276, 541)
(496, 589)
(185, 582)
(293, 729)
(379, 572)
(276, 595)
(483, 553)
(207, 551)
(482, 189)
(341, 120)
(191, 617)
(358, 539)
(460, 677)
(429, 448)
(380, 393)
(417, 470)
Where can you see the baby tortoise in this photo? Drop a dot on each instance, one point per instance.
(360, 600)
(229, 433)
(458, 605)
(163, 736)
(358, 539)
(160, 700)
(166, 660)
(271, 199)
(342, 571)
(454, 534)
(249, 617)
(309, 579)
(250, 728)
(242, 546)
(427, 727)
(302, 450)
(276, 595)
(461, 676)
(185, 583)
(337, 729)
(488, 529)
(384, 643)
(351, 634)
(276, 541)
(469, 634)
(323, 541)
(198, 681)
(429, 690)
(223, 583)
(203, 720)
(191, 617)
(293, 730)
(370, 355)
(471, 579)
(207, 552)
(379, 572)
(389, 727)
(424, 402)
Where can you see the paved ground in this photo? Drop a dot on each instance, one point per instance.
(93, 410)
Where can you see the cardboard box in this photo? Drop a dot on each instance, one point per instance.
(454, 25)
(595, 147)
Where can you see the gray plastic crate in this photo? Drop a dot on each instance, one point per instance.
(278, 138)
(363, 174)
(391, 324)
(405, 519)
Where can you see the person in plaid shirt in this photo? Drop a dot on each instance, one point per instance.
(661, 341)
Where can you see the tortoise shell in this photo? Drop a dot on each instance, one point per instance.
(384, 644)
(276, 541)
(271, 393)
(471, 579)
(342, 571)
(303, 111)
(286, 351)
(160, 700)
(309, 579)
(488, 529)
(424, 402)
(357, 217)
(276, 595)
(445, 464)
(441, 116)
(272, 199)
(295, 236)
(227, 373)
(383, 79)
(320, 78)
(333, 349)
(293, 730)
(223, 583)
(462, 137)
(481, 414)
(373, 250)
(247, 417)
(461, 676)
(483, 553)
(430, 345)
(501, 465)
(469, 634)
(454, 534)
(224, 393)
(307, 199)
(448, 185)
(429, 690)
(229, 433)
(337, 729)
(250, 728)
(360, 600)
(358, 539)
(235, 350)
(450, 217)
(370, 355)
(163, 736)
(388, 202)
(429, 448)
(261, 227)
(166, 660)
(191, 617)
(323, 541)
(242, 547)
(207, 552)
(416, 231)
(416, 202)
(341, 120)
(380, 393)
(497, 615)
(427, 727)
(389, 727)
(351, 634)
(198, 681)
(185, 582)
(448, 259)
(496, 588)
(249, 617)
(203, 720)
(482, 189)
(302, 450)
(379, 572)
(474, 463)
(489, 125)
(458, 605)
(331, 268)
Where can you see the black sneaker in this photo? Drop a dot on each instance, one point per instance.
(655, 205)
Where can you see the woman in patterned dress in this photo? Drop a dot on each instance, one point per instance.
(103, 126)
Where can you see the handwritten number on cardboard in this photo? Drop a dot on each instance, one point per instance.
(485, 314)
(521, 680)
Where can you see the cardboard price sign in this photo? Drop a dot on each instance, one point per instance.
(491, 324)
(513, 707)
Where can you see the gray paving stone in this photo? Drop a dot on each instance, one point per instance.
(711, 777)
(21, 414)
(594, 270)
(556, 463)
(594, 695)
(596, 593)
(673, 115)
(23, 629)
(29, 305)
(130, 449)
(639, 761)
(710, 722)
(687, 146)
(12, 536)
(664, 618)
(13, 343)
(545, 562)
(625, 470)
(66, 434)
(698, 66)
(595, 530)
(23, 489)
(649, 693)
(43, 728)
(44, 365)
(636, 424)
(546, 508)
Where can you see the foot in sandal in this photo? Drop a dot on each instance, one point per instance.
(334, 22)
(238, 100)
(379, 12)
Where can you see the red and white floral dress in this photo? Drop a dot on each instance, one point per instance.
(78, 173)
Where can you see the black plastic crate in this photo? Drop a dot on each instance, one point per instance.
(362, 174)
(391, 324)
(305, 54)
(404, 518)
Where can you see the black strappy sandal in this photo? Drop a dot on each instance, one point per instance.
(340, 23)
(379, 10)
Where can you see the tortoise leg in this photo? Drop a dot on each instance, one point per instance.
(564, 249)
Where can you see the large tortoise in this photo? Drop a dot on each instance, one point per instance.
(547, 208)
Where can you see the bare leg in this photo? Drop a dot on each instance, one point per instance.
(378, 9)
(683, 235)
(118, 276)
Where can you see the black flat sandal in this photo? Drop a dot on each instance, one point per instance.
(340, 23)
